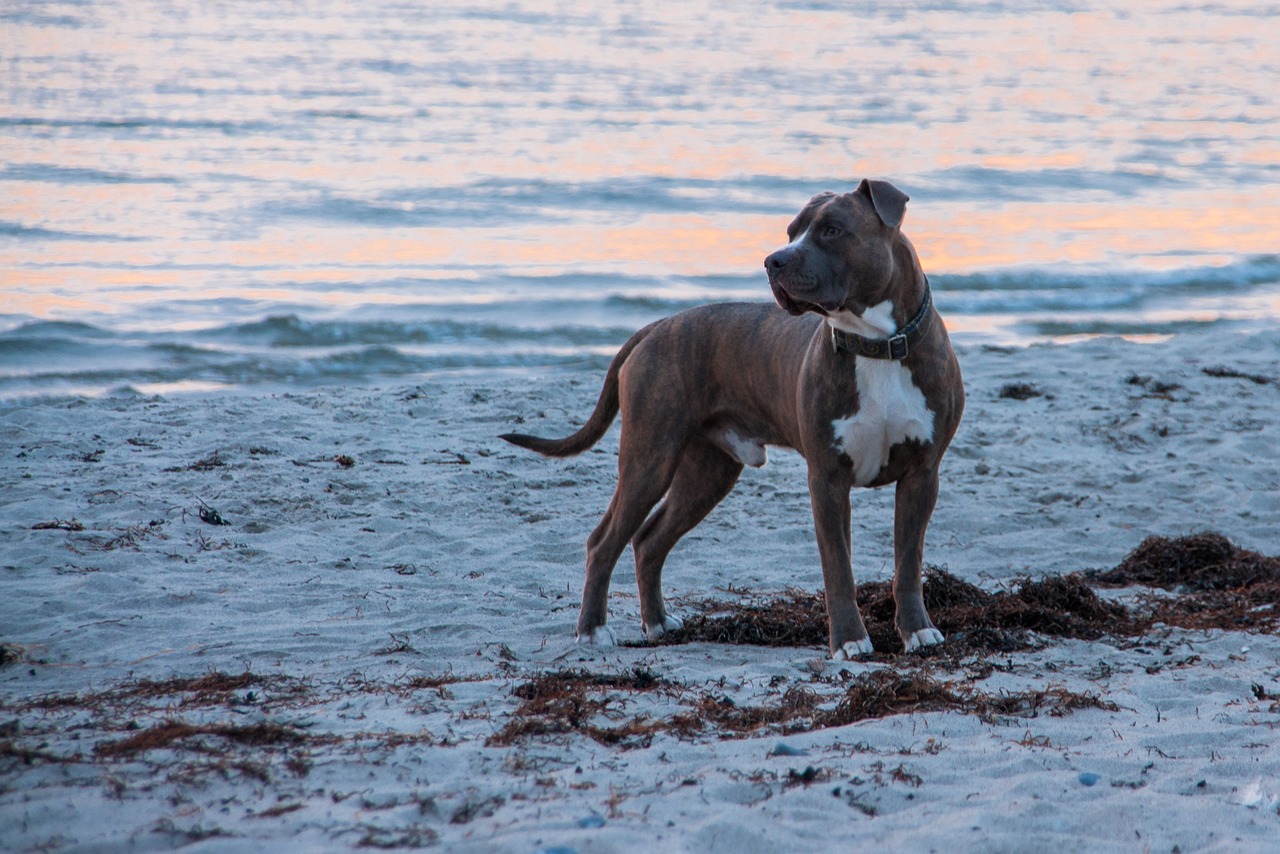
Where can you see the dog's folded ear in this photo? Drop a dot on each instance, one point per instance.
(889, 202)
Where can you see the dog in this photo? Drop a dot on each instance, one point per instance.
(852, 368)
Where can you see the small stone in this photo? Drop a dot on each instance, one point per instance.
(591, 821)
(781, 749)
(1089, 778)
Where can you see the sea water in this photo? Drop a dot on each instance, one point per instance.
(258, 195)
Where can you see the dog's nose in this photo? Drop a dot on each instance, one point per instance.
(778, 260)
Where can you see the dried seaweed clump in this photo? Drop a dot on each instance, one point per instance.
(1207, 561)
(1058, 605)
(974, 620)
(1221, 585)
(1062, 606)
(214, 688)
(169, 733)
(795, 712)
(881, 693)
(795, 618)
(572, 701)
(569, 701)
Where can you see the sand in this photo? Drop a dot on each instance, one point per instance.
(332, 667)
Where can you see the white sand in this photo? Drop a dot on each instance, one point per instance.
(344, 584)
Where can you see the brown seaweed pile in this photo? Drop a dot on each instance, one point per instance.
(974, 620)
(1219, 585)
(1215, 585)
(1207, 561)
(593, 705)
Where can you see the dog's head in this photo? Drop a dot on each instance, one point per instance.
(840, 257)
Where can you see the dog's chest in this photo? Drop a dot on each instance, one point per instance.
(891, 410)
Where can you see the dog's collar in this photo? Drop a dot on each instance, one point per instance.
(897, 346)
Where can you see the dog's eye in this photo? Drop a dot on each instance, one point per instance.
(832, 231)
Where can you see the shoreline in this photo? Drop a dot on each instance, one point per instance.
(390, 574)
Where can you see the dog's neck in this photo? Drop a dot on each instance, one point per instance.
(877, 322)
(882, 320)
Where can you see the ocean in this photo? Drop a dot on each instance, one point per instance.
(266, 196)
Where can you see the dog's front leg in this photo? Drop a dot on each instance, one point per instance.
(913, 505)
(829, 494)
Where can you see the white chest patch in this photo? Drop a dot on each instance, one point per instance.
(890, 410)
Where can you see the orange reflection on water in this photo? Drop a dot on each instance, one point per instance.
(51, 278)
(958, 239)
(1022, 162)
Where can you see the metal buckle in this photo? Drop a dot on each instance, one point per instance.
(894, 343)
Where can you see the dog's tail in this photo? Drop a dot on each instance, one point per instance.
(601, 417)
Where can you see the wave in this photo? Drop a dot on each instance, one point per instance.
(574, 319)
(38, 331)
(1030, 185)
(499, 201)
(493, 200)
(26, 232)
(226, 126)
(358, 365)
(1074, 291)
(291, 331)
(53, 174)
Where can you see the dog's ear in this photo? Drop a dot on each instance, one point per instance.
(890, 202)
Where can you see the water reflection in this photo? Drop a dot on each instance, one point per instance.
(176, 168)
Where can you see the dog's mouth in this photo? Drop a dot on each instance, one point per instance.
(784, 300)
(795, 306)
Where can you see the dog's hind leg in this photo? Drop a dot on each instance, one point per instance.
(643, 477)
(704, 477)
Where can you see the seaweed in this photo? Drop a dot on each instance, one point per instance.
(1232, 373)
(1019, 391)
(1205, 561)
(978, 621)
(167, 733)
(569, 701)
(213, 689)
(1220, 585)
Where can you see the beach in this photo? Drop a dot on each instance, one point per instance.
(343, 618)
(274, 278)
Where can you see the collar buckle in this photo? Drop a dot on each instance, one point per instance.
(898, 347)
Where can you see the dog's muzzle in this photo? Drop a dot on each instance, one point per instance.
(788, 275)
(776, 268)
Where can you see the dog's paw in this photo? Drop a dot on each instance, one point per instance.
(599, 636)
(852, 649)
(668, 624)
(923, 638)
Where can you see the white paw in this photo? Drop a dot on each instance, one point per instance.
(668, 624)
(923, 638)
(852, 650)
(600, 636)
